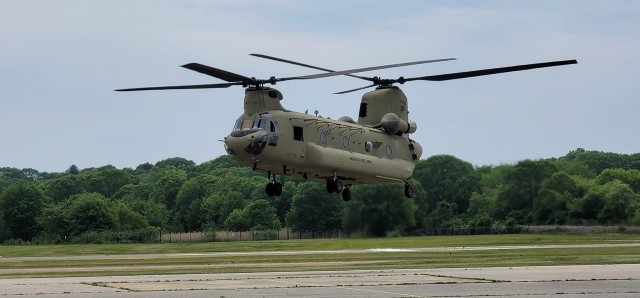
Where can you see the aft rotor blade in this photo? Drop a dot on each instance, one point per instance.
(205, 86)
(306, 65)
(350, 71)
(352, 90)
(216, 73)
(484, 72)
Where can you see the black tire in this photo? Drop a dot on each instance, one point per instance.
(331, 186)
(278, 189)
(338, 185)
(408, 190)
(346, 194)
(270, 189)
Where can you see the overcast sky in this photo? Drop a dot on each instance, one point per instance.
(61, 60)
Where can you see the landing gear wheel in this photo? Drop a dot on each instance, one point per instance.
(334, 185)
(408, 190)
(330, 186)
(273, 189)
(278, 188)
(339, 185)
(270, 189)
(346, 194)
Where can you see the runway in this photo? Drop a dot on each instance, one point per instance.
(539, 281)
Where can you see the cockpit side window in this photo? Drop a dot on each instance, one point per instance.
(274, 126)
(246, 124)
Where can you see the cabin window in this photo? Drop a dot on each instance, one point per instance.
(323, 137)
(363, 109)
(345, 142)
(389, 151)
(298, 133)
(368, 146)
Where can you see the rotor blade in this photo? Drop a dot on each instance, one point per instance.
(217, 73)
(352, 90)
(484, 72)
(205, 86)
(306, 65)
(337, 73)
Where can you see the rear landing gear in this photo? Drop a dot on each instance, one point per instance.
(408, 190)
(334, 185)
(346, 194)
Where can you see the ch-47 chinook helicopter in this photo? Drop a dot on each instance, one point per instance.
(375, 149)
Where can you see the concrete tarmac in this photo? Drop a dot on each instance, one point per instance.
(539, 281)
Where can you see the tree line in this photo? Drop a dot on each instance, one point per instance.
(176, 194)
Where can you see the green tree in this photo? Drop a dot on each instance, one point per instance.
(447, 178)
(167, 186)
(628, 177)
(106, 180)
(176, 162)
(61, 188)
(236, 221)
(619, 204)
(80, 213)
(217, 208)
(129, 220)
(313, 209)
(377, 209)
(550, 207)
(481, 208)
(188, 214)
(21, 204)
(261, 215)
(522, 184)
(443, 216)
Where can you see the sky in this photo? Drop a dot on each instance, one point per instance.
(61, 60)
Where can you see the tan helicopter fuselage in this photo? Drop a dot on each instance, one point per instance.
(373, 150)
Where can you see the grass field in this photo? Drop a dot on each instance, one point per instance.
(318, 254)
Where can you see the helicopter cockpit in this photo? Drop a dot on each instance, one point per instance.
(245, 127)
(263, 130)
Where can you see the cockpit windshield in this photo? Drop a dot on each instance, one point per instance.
(262, 122)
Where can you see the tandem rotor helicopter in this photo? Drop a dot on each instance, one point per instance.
(376, 148)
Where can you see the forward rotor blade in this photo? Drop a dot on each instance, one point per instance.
(216, 73)
(484, 72)
(352, 90)
(350, 71)
(306, 65)
(205, 86)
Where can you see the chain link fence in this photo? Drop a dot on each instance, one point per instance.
(159, 236)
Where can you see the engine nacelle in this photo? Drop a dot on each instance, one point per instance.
(394, 125)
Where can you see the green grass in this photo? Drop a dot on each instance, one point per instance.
(184, 258)
(311, 244)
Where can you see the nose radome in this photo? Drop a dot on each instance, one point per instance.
(233, 145)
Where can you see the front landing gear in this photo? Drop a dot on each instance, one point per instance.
(408, 190)
(273, 188)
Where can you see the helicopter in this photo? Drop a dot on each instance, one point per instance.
(376, 148)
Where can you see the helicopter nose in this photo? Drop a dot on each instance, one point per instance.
(252, 144)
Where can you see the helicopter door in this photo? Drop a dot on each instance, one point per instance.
(274, 133)
(296, 149)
